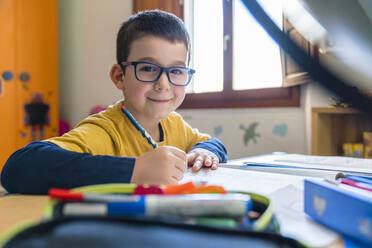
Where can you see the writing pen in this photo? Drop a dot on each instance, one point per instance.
(356, 184)
(360, 179)
(138, 127)
(193, 205)
(67, 195)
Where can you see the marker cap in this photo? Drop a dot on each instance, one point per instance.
(129, 208)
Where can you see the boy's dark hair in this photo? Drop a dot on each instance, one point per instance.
(155, 22)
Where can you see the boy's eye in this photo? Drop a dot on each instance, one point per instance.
(148, 68)
(177, 71)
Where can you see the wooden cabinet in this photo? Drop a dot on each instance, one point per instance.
(7, 86)
(331, 127)
(28, 72)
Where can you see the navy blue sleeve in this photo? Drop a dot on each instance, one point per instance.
(214, 145)
(40, 166)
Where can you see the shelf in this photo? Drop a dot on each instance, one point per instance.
(331, 127)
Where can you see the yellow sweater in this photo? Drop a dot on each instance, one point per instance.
(110, 132)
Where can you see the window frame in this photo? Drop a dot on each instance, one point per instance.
(227, 98)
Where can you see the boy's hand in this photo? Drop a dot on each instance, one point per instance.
(199, 157)
(163, 165)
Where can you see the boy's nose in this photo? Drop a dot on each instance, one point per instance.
(163, 82)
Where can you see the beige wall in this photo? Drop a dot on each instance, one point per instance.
(277, 129)
(87, 33)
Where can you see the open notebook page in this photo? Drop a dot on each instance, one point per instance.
(331, 163)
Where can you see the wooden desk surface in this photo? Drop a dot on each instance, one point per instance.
(15, 209)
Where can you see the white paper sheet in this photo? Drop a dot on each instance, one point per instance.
(289, 208)
(332, 163)
(287, 171)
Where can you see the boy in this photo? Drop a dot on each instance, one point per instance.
(139, 140)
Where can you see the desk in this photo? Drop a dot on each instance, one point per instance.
(17, 208)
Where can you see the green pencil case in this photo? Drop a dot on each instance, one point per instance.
(264, 221)
(56, 230)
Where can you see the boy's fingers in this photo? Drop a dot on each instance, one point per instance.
(177, 152)
(173, 180)
(208, 161)
(182, 166)
(197, 165)
(178, 175)
(215, 162)
(214, 166)
(191, 156)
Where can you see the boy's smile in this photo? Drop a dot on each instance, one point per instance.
(159, 100)
(149, 102)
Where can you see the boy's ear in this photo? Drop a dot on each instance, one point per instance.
(117, 76)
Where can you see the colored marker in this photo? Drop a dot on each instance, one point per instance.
(176, 189)
(67, 195)
(360, 179)
(148, 190)
(194, 205)
(193, 188)
(207, 189)
(219, 222)
(138, 127)
(215, 222)
(355, 184)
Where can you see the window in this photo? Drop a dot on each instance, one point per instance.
(207, 45)
(227, 77)
(232, 55)
(254, 52)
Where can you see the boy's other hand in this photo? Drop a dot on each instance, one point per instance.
(200, 157)
(164, 165)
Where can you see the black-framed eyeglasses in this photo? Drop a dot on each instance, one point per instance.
(150, 72)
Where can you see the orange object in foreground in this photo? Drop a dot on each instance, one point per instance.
(207, 189)
(179, 188)
(191, 188)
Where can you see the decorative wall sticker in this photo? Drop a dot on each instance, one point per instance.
(217, 130)
(23, 134)
(250, 133)
(7, 75)
(37, 116)
(280, 129)
(24, 77)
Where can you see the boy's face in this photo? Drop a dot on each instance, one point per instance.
(153, 101)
